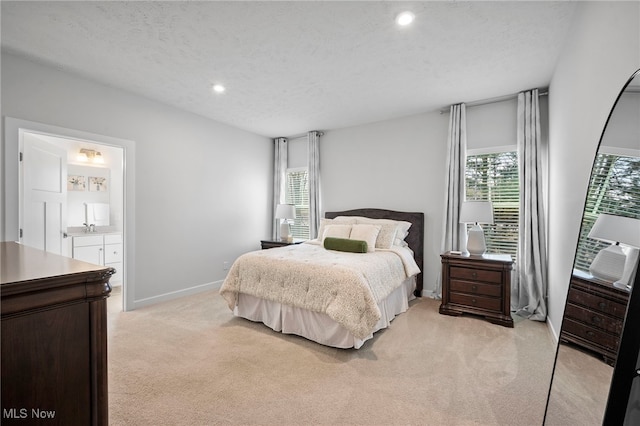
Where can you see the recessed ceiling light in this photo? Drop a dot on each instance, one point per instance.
(218, 88)
(405, 18)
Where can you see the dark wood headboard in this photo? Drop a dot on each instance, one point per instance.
(415, 239)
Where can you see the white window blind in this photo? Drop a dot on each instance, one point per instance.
(298, 195)
(614, 189)
(494, 177)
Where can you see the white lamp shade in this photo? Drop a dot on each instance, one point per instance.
(476, 212)
(616, 229)
(285, 211)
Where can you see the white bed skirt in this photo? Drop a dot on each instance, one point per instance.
(318, 326)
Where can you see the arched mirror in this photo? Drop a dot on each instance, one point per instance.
(604, 272)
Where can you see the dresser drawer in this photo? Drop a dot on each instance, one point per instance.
(597, 303)
(593, 319)
(480, 302)
(591, 334)
(476, 274)
(476, 288)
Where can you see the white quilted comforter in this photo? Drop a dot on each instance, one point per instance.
(345, 286)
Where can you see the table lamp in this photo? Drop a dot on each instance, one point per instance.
(609, 263)
(476, 212)
(285, 212)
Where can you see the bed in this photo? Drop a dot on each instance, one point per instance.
(332, 297)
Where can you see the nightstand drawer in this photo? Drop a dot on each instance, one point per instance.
(476, 274)
(476, 288)
(594, 319)
(590, 334)
(597, 303)
(479, 302)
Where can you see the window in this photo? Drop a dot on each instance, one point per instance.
(298, 195)
(494, 177)
(614, 189)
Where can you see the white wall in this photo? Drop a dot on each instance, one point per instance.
(601, 53)
(201, 199)
(395, 164)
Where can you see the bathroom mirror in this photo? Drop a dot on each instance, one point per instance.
(596, 307)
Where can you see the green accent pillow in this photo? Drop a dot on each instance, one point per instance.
(344, 244)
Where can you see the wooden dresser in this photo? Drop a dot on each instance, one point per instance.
(479, 285)
(594, 315)
(54, 338)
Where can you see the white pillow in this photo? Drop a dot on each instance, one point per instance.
(336, 231)
(401, 235)
(391, 230)
(368, 233)
(340, 220)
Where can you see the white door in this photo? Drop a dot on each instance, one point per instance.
(43, 195)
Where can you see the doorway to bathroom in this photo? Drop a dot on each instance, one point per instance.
(72, 193)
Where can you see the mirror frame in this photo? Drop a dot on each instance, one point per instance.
(624, 370)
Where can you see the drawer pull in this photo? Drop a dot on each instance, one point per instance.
(596, 319)
(602, 305)
(590, 333)
(474, 287)
(474, 301)
(474, 275)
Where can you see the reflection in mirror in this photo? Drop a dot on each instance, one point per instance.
(605, 265)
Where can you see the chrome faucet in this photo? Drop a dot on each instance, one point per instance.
(89, 227)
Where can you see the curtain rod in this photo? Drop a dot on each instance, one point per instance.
(302, 135)
(542, 92)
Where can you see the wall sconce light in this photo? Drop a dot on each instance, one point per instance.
(94, 156)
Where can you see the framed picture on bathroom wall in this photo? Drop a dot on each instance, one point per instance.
(97, 183)
(76, 183)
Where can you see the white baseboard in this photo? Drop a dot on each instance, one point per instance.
(431, 294)
(553, 331)
(176, 294)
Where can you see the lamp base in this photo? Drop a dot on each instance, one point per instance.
(476, 245)
(619, 284)
(285, 232)
(609, 263)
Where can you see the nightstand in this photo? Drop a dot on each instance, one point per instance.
(594, 315)
(267, 244)
(479, 285)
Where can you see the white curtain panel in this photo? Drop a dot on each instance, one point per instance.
(453, 233)
(279, 181)
(529, 292)
(314, 183)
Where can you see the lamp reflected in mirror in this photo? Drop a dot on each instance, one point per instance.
(610, 264)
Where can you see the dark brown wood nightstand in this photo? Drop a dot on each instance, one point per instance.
(267, 244)
(479, 285)
(594, 315)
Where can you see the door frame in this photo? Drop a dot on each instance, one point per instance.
(13, 131)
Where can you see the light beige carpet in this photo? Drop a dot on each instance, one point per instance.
(190, 362)
(580, 389)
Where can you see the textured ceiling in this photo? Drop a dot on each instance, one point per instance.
(290, 67)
